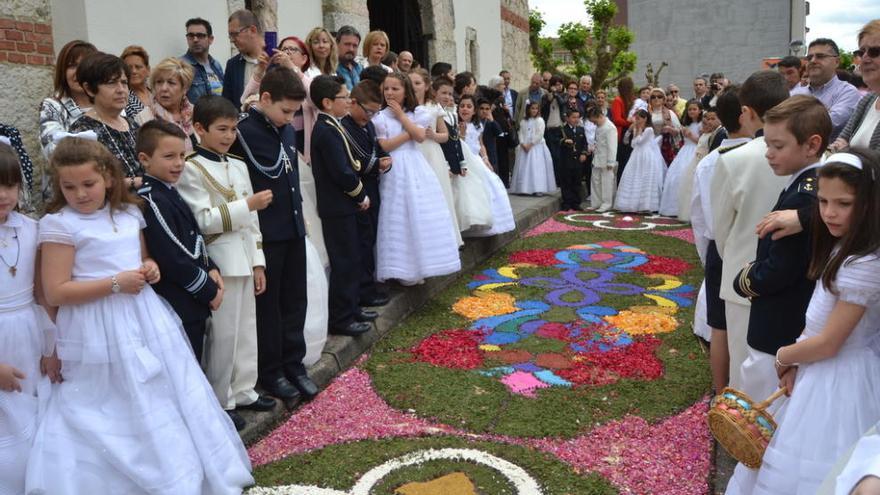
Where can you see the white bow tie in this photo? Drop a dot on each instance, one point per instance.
(90, 135)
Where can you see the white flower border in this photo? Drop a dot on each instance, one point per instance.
(521, 480)
(645, 224)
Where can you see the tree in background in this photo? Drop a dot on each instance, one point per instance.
(541, 48)
(601, 50)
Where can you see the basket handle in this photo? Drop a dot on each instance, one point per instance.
(770, 400)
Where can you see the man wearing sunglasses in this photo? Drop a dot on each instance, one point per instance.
(839, 97)
(208, 71)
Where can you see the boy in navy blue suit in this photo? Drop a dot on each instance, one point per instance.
(796, 132)
(341, 197)
(266, 141)
(366, 101)
(191, 282)
(572, 157)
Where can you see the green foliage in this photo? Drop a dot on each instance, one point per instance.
(541, 48)
(601, 49)
(846, 60)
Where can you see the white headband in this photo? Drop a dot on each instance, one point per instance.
(847, 158)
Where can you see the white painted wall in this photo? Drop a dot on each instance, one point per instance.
(157, 25)
(298, 17)
(485, 17)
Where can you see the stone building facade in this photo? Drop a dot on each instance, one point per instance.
(26, 67)
(482, 37)
(695, 37)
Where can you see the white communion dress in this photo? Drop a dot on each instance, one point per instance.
(502, 213)
(641, 184)
(135, 413)
(472, 206)
(416, 238)
(26, 334)
(533, 169)
(315, 328)
(834, 400)
(671, 186)
(426, 116)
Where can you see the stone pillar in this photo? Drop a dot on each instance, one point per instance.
(338, 13)
(515, 42)
(267, 12)
(26, 71)
(438, 25)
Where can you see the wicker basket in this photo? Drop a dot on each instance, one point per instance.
(742, 427)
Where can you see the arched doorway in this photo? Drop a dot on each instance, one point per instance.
(402, 20)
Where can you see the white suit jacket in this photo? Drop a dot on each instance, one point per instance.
(217, 193)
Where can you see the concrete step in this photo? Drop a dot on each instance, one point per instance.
(341, 352)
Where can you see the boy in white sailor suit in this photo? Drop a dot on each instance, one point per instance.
(218, 190)
(192, 282)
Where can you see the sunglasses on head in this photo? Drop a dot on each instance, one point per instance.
(869, 51)
(657, 97)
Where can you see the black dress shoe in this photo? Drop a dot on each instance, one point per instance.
(237, 420)
(353, 329)
(375, 301)
(365, 315)
(281, 388)
(305, 385)
(263, 403)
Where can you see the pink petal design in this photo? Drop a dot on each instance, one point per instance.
(683, 234)
(523, 383)
(551, 226)
(671, 457)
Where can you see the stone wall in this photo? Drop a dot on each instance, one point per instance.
(515, 42)
(25, 69)
(338, 13)
(730, 37)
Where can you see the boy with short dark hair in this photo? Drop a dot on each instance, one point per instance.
(267, 142)
(797, 132)
(742, 191)
(218, 190)
(341, 195)
(191, 283)
(572, 156)
(366, 101)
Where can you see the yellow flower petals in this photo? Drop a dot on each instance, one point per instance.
(635, 323)
(485, 304)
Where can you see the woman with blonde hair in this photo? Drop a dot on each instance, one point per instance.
(170, 81)
(321, 46)
(375, 47)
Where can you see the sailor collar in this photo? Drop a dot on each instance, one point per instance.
(210, 155)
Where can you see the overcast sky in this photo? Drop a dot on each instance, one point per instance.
(826, 20)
